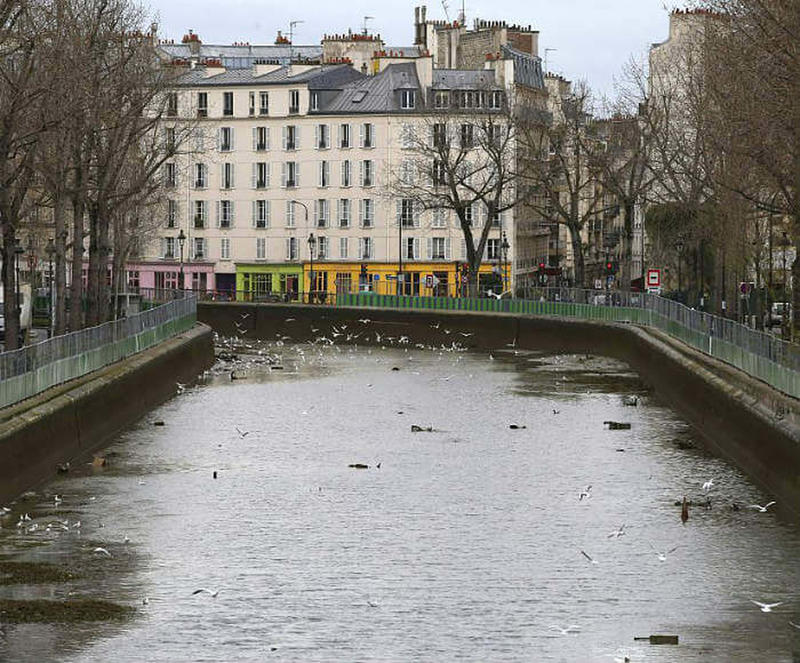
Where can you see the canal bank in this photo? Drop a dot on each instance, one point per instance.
(68, 422)
(740, 418)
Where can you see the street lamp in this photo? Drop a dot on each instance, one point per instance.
(679, 248)
(181, 242)
(50, 250)
(312, 242)
(305, 209)
(504, 246)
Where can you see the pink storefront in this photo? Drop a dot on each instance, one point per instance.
(165, 275)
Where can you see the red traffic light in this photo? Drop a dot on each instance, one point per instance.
(541, 266)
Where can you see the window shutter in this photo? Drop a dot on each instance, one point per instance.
(283, 133)
(361, 173)
(296, 174)
(360, 248)
(254, 176)
(416, 248)
(417, 214)
(430, 248)
(266, 137)
(361, 135)
(164, 247)
(233, 177)
(219, 211)
(447, 243)
(232, 207)
(297, 138)
(464, 249)
(283, 174)
(266, 174)
(254, 213)
(267, 213)
(221, 176)
(316, 135)
(255, 138)
(219, 139)
(233, 141)
(288, 248)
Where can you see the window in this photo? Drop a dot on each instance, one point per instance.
(467, 136)
(439, 173)
(261, 248)
(202, 104)
(347, 175)
(441, 99)
(410, 248)
(493, 249)
(263, 103)
(367, 135)
(407, 137)
(495, 218)
(439, 135)
(252, 105)
(468, 214)
(324, 173)
(467, 99)
(344, 213)
(225, 139)
(172, 213)
(169, 247)
(170, 175)
(343, 248)
(290, 175)
(169, 140)
(260, 139)
(322, 210)
(133, 280)
(200, 213)
(322, 247)
(290, 214)
(200, 176)
(407, 172)
(407, 99)
(291, 137)
(227, 103)
(225, 248)
(494, 134)
(199, 246)
(344, 136)
(365, 248)
(314, 101)
(172, 104)
(291, 248)
(439, 218)
(406, 212)
(496, 99)
(323, 137)
(367, 174)
(294, 101)
(438, 248)
(166, 280)
(261, 214)
(260, 175)
(225, 213)
(226, 176)
(367, 213)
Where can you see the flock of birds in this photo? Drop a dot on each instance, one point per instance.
(238, 356)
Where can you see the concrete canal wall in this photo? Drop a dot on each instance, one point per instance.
(740, 418)
(68, 422)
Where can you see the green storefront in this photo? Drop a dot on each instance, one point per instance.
(259, 282)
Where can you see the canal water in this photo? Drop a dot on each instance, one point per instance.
(461, 543)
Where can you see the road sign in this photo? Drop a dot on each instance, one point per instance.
(653, 278)
(376, 277)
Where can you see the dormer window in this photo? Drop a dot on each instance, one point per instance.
(314, 101)
(441, 99)
(408, 99)
(294, 102)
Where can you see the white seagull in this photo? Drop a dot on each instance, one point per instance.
(572, 628)
(662, 556)
(101, 551)
(766, 607)
(797, 626)
(762, 509)
(242, 433)
(617, 532)
(586, 492)
(203, 590)
(708, 485)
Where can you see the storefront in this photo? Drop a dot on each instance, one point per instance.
(260, 282)
(165, 275)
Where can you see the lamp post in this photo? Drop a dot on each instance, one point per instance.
(504, 246)
(679, 248)
(305, 209)
(181, 242)
(312, 242)
(50, 250)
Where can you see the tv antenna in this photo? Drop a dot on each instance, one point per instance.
(367, 18)
(292, 25)
(446, 12)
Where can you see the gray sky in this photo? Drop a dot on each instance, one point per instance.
(593, 38)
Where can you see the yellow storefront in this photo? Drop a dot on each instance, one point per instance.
(424, 279)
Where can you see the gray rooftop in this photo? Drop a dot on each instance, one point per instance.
(463, 79)
(322, 77)
(242, 57)
(376, 94)
(527, 68)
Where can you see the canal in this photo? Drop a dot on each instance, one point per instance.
(465, 542)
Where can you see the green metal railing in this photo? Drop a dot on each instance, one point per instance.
(34, 368)
(757, 353)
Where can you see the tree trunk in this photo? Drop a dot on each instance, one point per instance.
(93, 284)
(76, 286)
(59, 306)
(627, 245)
(795, 326)
(577, 255)
(10, 309)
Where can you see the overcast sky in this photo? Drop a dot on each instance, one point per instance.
(593, 38)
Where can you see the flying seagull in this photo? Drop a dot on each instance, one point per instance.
(101, 551)
(242, 433)
(203, 590)
(572, 628)
(762, 509)
(766, 607)
(662, 556)
(617, 532)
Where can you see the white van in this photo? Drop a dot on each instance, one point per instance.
(25, 316)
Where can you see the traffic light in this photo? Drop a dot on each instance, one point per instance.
(609, 268)
(542, 274)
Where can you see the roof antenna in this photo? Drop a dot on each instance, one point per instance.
(446, 12)
(365, 32)
(292, 24)
(462, 17)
